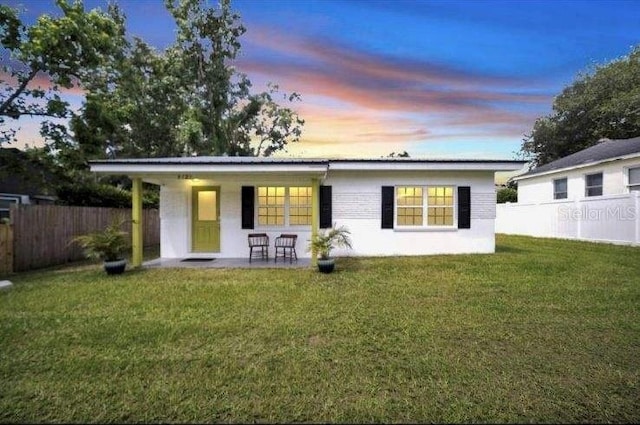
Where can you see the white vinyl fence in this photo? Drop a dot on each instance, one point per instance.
(611, 218)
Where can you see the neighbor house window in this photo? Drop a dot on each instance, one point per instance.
(271, 205)
(5, 204)
(560, 188)
(634, 179)
(424, 206)
(299, 205)
(593, 184)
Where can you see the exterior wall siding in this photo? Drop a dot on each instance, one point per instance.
(351, 204)
(614, 176)
(483, 205)
(175, 218)
(356, 203)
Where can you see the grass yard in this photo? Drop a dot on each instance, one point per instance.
(542, 331)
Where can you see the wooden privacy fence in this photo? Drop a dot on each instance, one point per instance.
(6, 249)
(42, 233)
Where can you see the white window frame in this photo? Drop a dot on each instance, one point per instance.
(425, 208)
(287, 203)
(566, 193)
(627, 175)
(586, 188)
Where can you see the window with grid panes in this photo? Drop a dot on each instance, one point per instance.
(440, 206)
(299, 206)
(271, 200)
(409, 206)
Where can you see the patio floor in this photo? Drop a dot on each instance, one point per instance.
(228, 263)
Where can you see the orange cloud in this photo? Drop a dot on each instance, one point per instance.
(359, 96)
(42, 81)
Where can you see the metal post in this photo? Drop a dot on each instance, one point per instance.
(315, 216)
(136, 222)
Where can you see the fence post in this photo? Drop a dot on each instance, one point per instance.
(6, 249)
(315, 215)
(579, 220)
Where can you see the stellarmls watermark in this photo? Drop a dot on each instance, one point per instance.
(621, 213)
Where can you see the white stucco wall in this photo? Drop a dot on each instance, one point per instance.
(356, 202)
(175, 217)
(614, 178)
(356, 205)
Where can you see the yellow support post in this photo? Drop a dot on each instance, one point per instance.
(315, 216)
(136, 222)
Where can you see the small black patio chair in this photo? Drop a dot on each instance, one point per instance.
(286, 247)
(259, 241)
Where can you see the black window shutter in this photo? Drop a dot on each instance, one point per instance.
(464, 207)
(388, 195)
(248, 198)
(325, 207)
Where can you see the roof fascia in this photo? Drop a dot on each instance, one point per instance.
(140, 168)
(427, 166)
(577, 167)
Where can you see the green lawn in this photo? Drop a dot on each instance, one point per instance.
(542, 331)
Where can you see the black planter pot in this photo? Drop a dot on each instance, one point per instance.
(115, 267)
(326, 266)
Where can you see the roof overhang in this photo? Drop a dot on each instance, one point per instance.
(188, 168)
(425, 165)
(574, 167)
(234, 165)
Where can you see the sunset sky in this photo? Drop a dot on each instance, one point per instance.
(435, 78)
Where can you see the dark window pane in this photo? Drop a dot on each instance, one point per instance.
(560, 189)
(594, 191)
(594, 179)
(634, 175)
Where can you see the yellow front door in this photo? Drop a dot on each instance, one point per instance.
(206, 219)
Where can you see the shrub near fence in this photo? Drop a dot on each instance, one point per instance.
(42, 233)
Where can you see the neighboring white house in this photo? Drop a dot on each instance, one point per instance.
(399, 206)
(612, 167)
(591, 194)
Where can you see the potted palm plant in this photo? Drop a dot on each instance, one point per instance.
(108, 245)
(324, 242)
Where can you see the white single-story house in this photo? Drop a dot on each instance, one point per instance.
(611, 167)
(392, 206)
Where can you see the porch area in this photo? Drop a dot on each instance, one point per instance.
(226, 263)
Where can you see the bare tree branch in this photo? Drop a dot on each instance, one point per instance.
(7, 103)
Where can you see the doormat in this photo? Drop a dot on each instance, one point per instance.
(197, 259)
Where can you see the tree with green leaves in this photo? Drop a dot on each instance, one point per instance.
(188, 99)
(50, 55)
(506, 194)
(604, 103)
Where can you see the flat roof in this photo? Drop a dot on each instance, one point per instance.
(234, 164)
(236, 160)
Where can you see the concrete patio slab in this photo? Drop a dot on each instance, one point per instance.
(227, 263)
